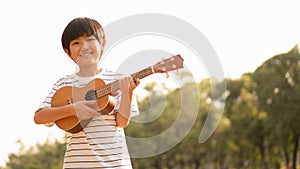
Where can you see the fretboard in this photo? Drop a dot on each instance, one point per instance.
(114, 86)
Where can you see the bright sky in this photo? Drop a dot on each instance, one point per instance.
(243, 33)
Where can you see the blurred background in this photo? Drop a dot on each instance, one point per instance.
(257, 46)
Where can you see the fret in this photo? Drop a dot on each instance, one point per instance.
(175, 62)
(114, 86)
(143, 73)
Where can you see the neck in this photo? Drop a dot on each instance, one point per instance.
(114, 86)
(89, 71)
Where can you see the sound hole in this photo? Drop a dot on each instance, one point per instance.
(91, 95)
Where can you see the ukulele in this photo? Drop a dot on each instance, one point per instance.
(97, 90)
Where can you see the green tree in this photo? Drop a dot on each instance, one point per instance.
(48, 155)
(277, 85)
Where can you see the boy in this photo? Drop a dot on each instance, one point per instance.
(101, 144)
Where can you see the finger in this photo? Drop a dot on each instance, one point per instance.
(128, 80)
(122, 81)
(91, 104)
(137, 81)
(114, 93)
(125, 81)
(92, 112)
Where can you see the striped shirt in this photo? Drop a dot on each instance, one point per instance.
(101, 144)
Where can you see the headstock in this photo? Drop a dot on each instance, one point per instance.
(174, 62)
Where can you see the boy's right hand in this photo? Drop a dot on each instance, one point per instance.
(86, 109)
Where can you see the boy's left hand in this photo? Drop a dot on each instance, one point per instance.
(126, 83)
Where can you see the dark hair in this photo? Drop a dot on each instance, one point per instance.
(81, 27)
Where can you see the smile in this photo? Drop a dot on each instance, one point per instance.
(86, 54)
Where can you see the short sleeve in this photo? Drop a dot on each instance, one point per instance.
(48, 99)
(56, 86)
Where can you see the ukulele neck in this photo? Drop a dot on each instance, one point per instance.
(114, 86)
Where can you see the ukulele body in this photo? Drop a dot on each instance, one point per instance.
(69, 95)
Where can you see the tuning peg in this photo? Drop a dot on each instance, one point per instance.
(162, 61)
(177, 73)
(171, 58)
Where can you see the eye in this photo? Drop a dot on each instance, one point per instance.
(74, 43)
(91, 39)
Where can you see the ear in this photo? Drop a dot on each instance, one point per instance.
(67, 52)
(103, 42)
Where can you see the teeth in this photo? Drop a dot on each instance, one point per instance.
(86, 54)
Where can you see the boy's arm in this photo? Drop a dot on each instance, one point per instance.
(81, 109)
(123, 113)
(50, 115)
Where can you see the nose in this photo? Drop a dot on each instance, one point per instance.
(85, 46)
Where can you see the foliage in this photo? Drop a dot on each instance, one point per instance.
(279, 98)
(41, 156)
(259, 128)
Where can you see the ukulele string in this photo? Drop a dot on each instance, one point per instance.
(106, 89)
(113, 86)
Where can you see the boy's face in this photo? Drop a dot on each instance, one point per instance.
(85, 50)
